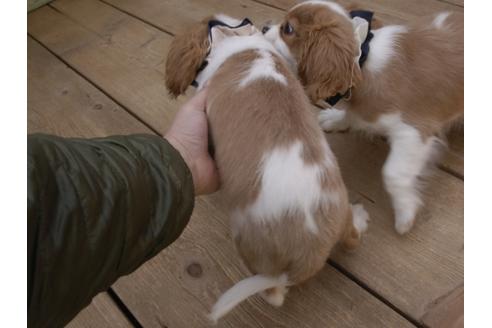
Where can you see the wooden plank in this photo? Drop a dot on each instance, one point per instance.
(415, 270)
(126, 45)
(119, 52)
(61, 102)
(448, 311)
(102, 312)
(34, 4)
(173, 15)
(453, 158)
(159, 292)
(460, 3)
(179, 286)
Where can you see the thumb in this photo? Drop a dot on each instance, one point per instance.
(199, 101)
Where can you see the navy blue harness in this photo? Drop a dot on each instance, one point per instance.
(212, 24)
(366, 15)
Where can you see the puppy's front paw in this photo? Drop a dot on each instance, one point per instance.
(404, 222)
(333, 120)
(360, 218)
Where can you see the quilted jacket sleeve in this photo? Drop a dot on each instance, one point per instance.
(97, 210)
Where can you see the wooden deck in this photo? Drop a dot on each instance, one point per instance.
(96, 68)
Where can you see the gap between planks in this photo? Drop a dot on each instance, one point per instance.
(374, 293)
(123, 308)
(137, 18)
(85, 77)
(449, 3)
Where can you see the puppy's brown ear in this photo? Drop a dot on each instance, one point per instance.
(327, 64)
(187, 53)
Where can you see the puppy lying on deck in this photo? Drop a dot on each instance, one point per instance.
(280, 180)
(402, 81)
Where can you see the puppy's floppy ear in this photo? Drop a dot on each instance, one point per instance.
(187, 53)
(327, 64)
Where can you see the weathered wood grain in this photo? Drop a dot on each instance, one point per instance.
(113, 50)
(102, 312)
(447, 312)
(33, 4)
(179, 286)
(415, 270)
(61, 102)
(186, 12)
(460, 3)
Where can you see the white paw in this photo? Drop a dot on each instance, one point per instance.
(360, 218)
(275, 297)
(404, 224)
(406, 206)
(332, 120)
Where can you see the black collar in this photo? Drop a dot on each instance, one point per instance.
(367, 15)
(212, 23)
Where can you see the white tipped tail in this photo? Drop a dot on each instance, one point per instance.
(242, 290)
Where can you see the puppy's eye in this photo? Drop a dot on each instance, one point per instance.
(288, 29)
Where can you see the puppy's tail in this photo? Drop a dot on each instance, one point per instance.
(242, 290)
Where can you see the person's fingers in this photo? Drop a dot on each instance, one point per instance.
(210, 181)
(199, 101)
(213, 186)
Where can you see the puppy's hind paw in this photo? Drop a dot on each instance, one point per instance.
(275, 296)
(403, 226)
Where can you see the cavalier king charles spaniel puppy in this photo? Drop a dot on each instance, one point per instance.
(401, 81)
(279, 179)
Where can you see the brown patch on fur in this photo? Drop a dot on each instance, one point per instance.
(423, 81)
(246, 124)
(324, 54)
(274, 114)
(187, 53)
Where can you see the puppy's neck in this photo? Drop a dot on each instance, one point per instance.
(227, 48)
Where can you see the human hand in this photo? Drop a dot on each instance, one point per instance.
(189, 135)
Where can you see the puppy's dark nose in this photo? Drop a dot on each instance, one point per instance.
(266, 27)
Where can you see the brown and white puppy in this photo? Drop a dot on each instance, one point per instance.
(279, 178)
(410, 88)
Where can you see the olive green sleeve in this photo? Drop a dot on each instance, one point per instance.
(97, 210)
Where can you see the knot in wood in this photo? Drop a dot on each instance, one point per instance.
(195, 270)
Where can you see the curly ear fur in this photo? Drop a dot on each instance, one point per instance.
(187, 52)
(327, 61)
